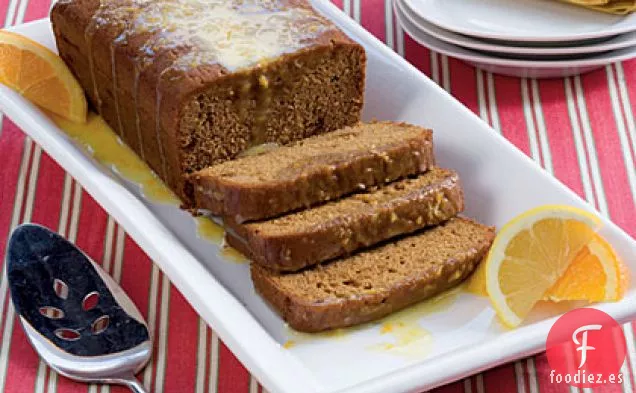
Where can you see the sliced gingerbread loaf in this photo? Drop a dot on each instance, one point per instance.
(328, 231)
(375, 283)
(188, 84)
(313, 171)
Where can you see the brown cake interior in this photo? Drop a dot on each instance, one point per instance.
(288, 101)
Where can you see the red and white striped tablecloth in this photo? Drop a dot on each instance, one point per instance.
(580, 129)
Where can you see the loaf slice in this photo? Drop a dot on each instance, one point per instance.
(375, 283)
(314, 170)
(307, 237)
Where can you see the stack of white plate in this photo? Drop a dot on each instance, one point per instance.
(527, 38)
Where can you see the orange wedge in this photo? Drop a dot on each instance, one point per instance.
(40, 76)
(596, 275)
(531, 253)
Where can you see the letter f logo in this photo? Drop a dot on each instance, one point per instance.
(583, 347)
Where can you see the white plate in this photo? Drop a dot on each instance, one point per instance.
(515, 67)
(521, 20)
(613, 43)
(499, 180)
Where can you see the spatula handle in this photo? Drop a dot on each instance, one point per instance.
(134, 385)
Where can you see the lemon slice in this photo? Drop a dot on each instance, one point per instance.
(531, 253)
(40, 76)
(597, 274)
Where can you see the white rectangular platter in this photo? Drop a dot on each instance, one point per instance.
(462, 336)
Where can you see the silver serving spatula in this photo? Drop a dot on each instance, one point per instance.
(76, 317)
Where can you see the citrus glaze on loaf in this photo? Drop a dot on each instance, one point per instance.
(341, 227)
(191, 83)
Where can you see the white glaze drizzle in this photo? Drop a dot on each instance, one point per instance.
(135, 93)
(233, 33)
(162, 153)
(88, 36)
(113, 65)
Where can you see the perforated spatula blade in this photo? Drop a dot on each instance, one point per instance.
(76, 317)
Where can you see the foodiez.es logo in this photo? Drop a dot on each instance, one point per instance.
(586, 348)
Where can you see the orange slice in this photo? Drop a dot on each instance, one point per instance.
(596, 275)
(40, 76)
(531, 253)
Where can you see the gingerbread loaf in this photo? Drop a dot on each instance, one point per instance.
(193, 83)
